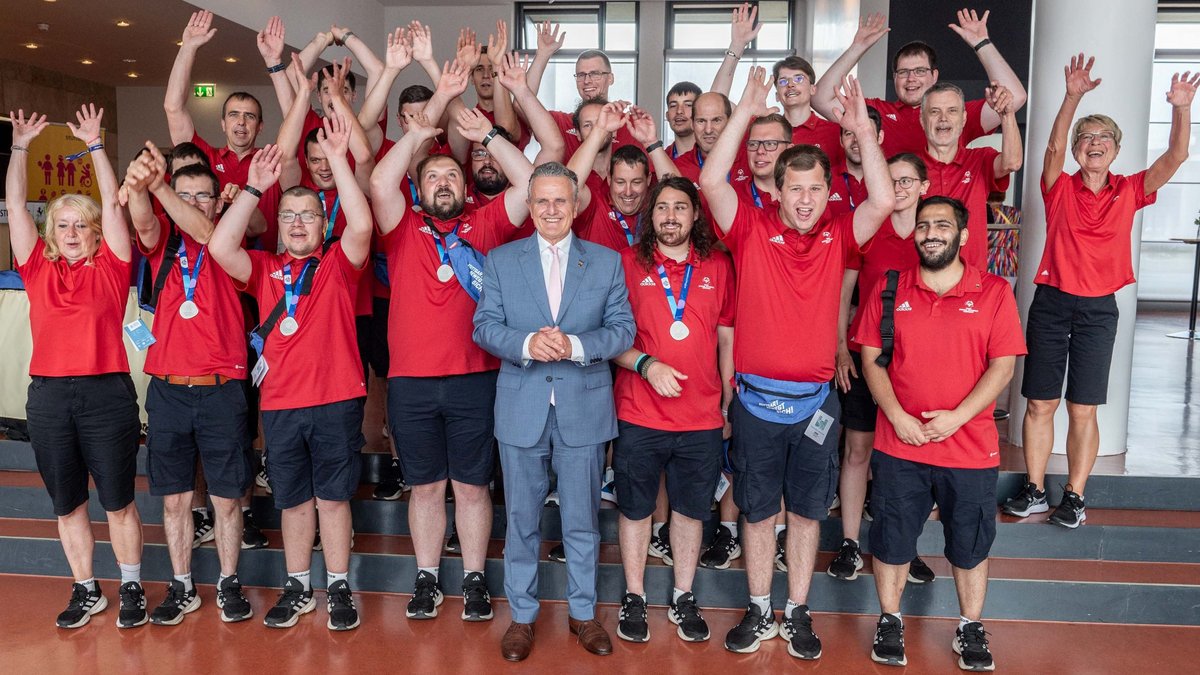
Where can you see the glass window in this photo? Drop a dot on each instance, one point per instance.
(607, 26)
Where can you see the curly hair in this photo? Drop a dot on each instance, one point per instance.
(701, 236)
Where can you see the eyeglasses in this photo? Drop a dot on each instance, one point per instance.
(905, 182)
(480, 154)
(199, 197)
(798, 79)
(1101, 136)
(919, 72)
(592, 75)
(769, 146)
(306, 217)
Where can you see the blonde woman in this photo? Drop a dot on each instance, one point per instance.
(81, 408)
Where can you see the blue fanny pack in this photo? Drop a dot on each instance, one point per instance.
(780, 401)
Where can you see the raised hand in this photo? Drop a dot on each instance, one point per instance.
(158, 164)
(420, 126)
(641, 126)
(336, 74)
(870, 29)
(228, 194)
(1183, 89)
(612, 117)
(550, 40)
(468, 50)
(744, 30)
(88, 129)
(25, 130)
(971, 27)
(497, 46)
(455, 76)
(338, 34)
(512, 71)
(472, 125)
(334, 136)
(1079, 76)
(422, 41)
(399, 50)
(754, 96)
(853, 114)
(270, 41)
(304, 85)
(999, 98)
(199, 30)
(264, 169)
(139, 174)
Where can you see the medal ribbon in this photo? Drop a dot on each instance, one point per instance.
(676, 307)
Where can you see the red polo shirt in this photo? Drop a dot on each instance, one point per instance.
(75, 313)
(845, 191)
(747, 192)
(691, 162)
(710, 303)
(1087, 234)
(212, 342)
(886, 251)
(319, 364)
(430, 321)
(969, 178)
(789, 288)
(902, 130)
(601, 222)
(942, 348)
(826, 135)
(225, 162)
(331, 202)
(572, 140)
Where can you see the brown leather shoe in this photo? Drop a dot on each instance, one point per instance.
(517, 641)
(592, 636)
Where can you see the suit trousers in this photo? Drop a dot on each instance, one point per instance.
(526, 483)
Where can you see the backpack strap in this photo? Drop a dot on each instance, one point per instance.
(168, 261)
(887, 321)
(264, 329)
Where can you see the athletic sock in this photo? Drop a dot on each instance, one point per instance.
(467, 572)
(676, 593)
(763, 602)
(732, 526)
(186, 580)
(656, 528)
(303, 578)
(778, 529)
(130, 573)
(429, 570)
(332, 578)
(787, 609)
(89, 584)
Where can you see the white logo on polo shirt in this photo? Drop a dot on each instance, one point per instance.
(277, 274)
(220, 168)
(904, 307)
(826, 237)
(777, 239)
(425, 229)
(966, 178)
(891, 116)
(466, 227)
(707, 285)
(741, 177)
(1045, 273)
(968, 308)
(648, 281)
(835, 197)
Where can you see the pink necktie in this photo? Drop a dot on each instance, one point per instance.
(554, 285)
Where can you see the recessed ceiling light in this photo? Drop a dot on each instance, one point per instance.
(131, 75)
(86, 62)
(179, 43)
(122, 23)
(31, 45)
(231, 59)
(129, 60)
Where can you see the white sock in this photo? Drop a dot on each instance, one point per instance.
(676, 594)
(778, 529)
(763, 602)
(656, 528)
(787, 609)
(245, 509)
(130, 573)
(732, 526)
(222, 577)
(332, 578)
(303, 578)
(898, 616)
(429, 570)
(186, 580)
(203, 510)
(467, 572)
(89, 584)
(963, 621)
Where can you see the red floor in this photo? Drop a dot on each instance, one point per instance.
(30, 643)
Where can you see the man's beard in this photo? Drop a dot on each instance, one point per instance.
(451, 210)
(490, 185)
(940, 261)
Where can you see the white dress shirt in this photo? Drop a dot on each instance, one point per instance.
(564, 249)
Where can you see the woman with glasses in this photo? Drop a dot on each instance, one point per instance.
(81, 407)
(1073, 317)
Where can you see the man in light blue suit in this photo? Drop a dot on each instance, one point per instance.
(554, 309)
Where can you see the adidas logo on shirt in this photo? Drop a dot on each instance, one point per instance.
(1045, 273)
(835, 197)
(777, 239)
(277, 274)
(904, 307)
(219, 167)
(648, 281)
(425, 229)
(891, 116)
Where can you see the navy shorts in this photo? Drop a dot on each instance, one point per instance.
(692, 460)
(314, 452)
(443, 427)
(904, 492)
(777, 460)
(1069, 330)
(206, 421)
(378, 351)
(858, 406)
(81, 426)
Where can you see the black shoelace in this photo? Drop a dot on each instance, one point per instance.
(633, 610)
(79, 596)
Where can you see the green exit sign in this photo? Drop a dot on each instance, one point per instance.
(204, 90)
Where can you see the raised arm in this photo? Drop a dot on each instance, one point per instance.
(388, 201)
(476, 128)
(610, 119)
(512, 75)
(422, 47)
(197, 34)
(641, 126)
(714, 177)
(226, 242)
(270, 41)
(467, 55)
(881, 196)
(112, 218)
(972, 28)
(743, 33)
(1079, 82)
(359, 147)
(1183, 90)
(362, 53)
(1000, 101)
(502, 105)
(334, 138)
(292, 127)
(22, 231)
(136, 188)
(396, 58)
(549, 40)
(870, 29)
(313, 50)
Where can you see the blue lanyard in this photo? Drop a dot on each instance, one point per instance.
(700, 161)
(291, 298)
(189, 276)
(330, 214)
(443, 257)
(675, 151)
(754, 193)
(625, 226)
(849, 195)
(676, 307)
(412, 190)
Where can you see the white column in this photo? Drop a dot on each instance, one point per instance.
(1120, 34)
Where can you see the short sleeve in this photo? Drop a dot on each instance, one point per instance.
(1006, 338)
(728, 313)
(872, 309)
(1138, 187)
(974, 125)
(739, 229)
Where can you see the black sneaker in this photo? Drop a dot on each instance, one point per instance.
(452, 543)
(660, 544)
(847, 563)
(919, 572)
(685, 613)
(803, 643)
(971, 645)
(252, 536)
(177, 603)
(632, 625)
(234, 605)
(82, 606)
(1028, 501)
(426, 597)
(781, 550)
(202, 527)
(558, 554)
(753, 629)
(723, 550)
(317, 545)
(1070, 512)
(888, 648)
(133, 606)
(342, 613)
(477, 602)
(392, 485)
(293, 602)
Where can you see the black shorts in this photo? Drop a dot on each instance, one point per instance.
(378, 353)
(692, 460)
(1069, 330)
(858, 406)
(904, 492)
(362, 335)
(777, 460)
(314, 452)
(81, 426)
(443, 427)
(189, 421)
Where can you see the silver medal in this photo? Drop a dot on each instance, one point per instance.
(188, 309)
(679, 330)
(289, 326)
(445, 273)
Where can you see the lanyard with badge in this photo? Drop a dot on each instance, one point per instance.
(679, 329)
(625, 226)
(700, 161)
(444, 271)
(330, 214)
(849, 192)
(188, 309)
(290, 325)
(754, 193)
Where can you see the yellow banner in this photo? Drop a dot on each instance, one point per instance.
(51, 171)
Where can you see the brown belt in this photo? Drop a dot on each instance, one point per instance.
(195, 380)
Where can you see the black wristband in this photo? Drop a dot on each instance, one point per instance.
(983, 43)
(253, 190)
(490, 135)
(277, 68)
(653, 146)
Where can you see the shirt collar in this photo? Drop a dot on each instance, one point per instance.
(1077, 181)
(564, 245)
(971, 282)
(691, 259)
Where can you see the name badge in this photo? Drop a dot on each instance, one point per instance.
(259, 372)
(819, 426)
(139, 335)
(722, 486)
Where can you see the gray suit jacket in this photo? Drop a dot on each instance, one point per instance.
(594, 307)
